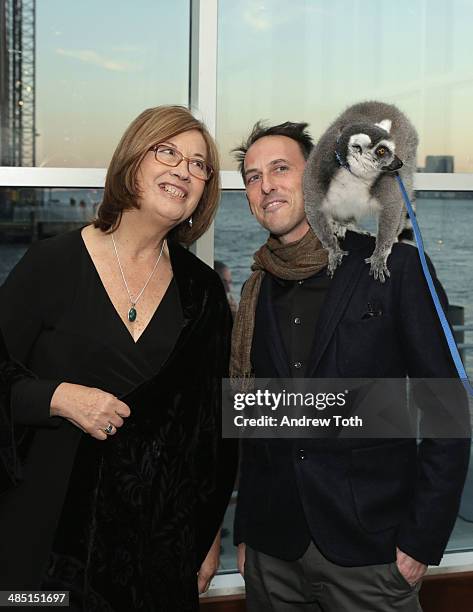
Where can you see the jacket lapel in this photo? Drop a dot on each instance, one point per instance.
(190, 292)
(336, 301)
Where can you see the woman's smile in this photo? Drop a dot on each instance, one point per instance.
(173, 190)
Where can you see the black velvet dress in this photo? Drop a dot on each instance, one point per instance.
(115, 522)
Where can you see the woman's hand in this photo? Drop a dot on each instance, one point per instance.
(90, 409)
(209, 567)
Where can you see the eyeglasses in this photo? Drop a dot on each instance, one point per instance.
(172, 157)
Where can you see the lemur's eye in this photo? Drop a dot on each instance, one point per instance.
(381, 151)
(357, 148)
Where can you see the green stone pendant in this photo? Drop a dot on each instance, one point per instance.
(132, 314)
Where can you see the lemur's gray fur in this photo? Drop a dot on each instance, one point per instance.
(350, 173)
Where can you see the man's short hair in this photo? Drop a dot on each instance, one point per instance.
(296, 131)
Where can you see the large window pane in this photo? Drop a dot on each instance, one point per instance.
(98, 64)
(444, 219)
(445, 222)
(308, 62)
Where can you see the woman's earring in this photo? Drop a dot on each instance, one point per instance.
(189, 221)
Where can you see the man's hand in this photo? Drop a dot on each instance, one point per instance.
(241, 554)
(411, 570)
(209, 567)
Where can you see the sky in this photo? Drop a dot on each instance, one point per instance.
(100, 63)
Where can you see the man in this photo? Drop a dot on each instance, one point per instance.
(332, 525)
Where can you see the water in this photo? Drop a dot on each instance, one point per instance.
(445, 225)
(446, 230)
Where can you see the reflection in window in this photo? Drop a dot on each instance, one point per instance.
(28, 214)
(310, 62)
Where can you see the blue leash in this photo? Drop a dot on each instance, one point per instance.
(438, 307)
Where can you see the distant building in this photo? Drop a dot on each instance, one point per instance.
(442, 164)
(439, 163)
(17, 83)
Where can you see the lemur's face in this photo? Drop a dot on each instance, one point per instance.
(370, 152)
(368, 159)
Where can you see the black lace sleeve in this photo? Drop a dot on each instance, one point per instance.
(22, 321)
(11, 373)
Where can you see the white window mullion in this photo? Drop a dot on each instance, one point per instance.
(423, 181)
(91, 178)
(94, 178)
(231, 180)
(203, 87)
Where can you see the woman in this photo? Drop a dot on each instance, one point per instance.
(125, 478)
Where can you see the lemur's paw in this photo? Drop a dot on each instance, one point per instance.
(334, 260)
(378, 267)
(339, 230)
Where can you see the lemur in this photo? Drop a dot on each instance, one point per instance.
(350, 173)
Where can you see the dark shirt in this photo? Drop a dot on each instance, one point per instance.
(297, 306)
(285, 334)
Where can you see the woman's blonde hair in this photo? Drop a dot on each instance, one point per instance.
(151, 127)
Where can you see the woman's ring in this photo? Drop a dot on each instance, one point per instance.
(109, 429)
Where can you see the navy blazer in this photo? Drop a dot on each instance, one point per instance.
(357, 498)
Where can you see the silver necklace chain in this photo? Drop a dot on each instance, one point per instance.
(133, 302)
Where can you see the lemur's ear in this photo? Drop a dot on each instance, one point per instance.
(385, 124)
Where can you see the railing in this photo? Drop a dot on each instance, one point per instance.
(463, 346)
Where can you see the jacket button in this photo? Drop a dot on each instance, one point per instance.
(301, 453)
(298, 364)
(301, 282)
(297, 320)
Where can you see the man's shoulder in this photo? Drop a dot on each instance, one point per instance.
(362, 245)
(358, 241)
